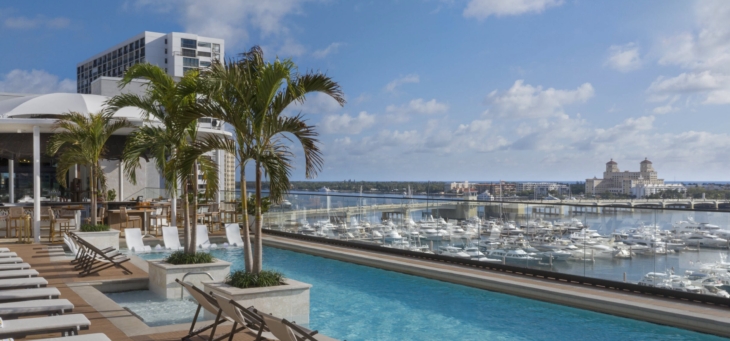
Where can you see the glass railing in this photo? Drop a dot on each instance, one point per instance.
(147, 193)
(678, 249)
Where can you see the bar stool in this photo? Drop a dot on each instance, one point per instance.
(125, 219)
(160, 218)
(64, 223)
(212, 213)
(15, 215)
(99, 216)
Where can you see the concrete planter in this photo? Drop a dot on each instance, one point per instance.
(102, 239)
(290, 301)
(162, 275)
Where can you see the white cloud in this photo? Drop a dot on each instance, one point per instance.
(37, 22)
(481, 9)
(419, 106)
(346, 124)
(317, 103)
(291, 48)
(396, 83)
(689, 82)
(664, 109)
(364, 97)
(624, 58)
(527, 101)
(34, 82)
(332, 48)
(232, 20)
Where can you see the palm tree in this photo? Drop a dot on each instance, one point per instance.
(166, 139)
(82, 140)
(250, 94)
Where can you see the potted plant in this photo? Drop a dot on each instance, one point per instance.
(163, 272)
(99, 235)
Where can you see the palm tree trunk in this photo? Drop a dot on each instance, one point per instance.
(194, 223)
(186, 217)
(247, 257)
(92, 194)
(258, 254)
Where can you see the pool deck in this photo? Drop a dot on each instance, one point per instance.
(59, 273)
(671, 312)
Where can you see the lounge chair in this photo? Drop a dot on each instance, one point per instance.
(71, 245)
(14, 266)
(35, 307)
(29, 294)
(92, 260)
(171, 238)
(18, 274)
(243, 317)
(11, 260)
(288, 331)
(4, 249)
(133, 236)
(201, 234)
(210, 304)
(8, 254)
(22, 283)
(67, 325)
(233, 234)
(87, 337)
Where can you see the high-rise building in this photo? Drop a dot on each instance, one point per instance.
(174, 52)
(230, 176)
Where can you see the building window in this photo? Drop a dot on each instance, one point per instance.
(136, 44)
(189, 43)
(203, 44)
(165, 68)
(204, 64)
(125, 48)
(188, 69)
(203, 54)
(141, 42)
(188, 53)
(216, 48)
(192, 62)
(142, 54)
(165, 51)
(165, 41)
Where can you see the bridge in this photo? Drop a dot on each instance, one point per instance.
(689, 203)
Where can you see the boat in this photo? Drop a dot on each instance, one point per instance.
(512, 255)
(453, 251)
(703, 239)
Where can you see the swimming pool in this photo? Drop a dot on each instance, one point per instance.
(356, 302)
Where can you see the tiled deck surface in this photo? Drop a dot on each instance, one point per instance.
(59, 274)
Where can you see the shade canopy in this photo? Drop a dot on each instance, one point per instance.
(56, 104)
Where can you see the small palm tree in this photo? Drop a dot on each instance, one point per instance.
(81, 139)
(165, 139)
(250, 94)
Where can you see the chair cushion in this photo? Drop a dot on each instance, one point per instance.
(28, 294)
(42, 325)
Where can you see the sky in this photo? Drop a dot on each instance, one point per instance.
(447, 90)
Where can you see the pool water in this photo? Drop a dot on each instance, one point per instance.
(355, 302)
(156, 311)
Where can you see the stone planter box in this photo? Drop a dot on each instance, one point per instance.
(162, 276)
(102, 239)
(290, 301)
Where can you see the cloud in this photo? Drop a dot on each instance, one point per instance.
(364, 97)
(23, 23)
(34, 82)
(419, 106)
(664, 109)
(624, 58)
(689, 82)
(527, 101)
(232, 20)
(482, 9)
(332, 48)
(396, 83)
(346, 124)
(291, 48)
(317, 103)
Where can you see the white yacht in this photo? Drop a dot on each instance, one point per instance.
(704, 239)
(453, 251)
(512, 255)
(473, 252)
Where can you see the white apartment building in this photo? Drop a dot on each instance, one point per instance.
(457, 186)
(645, 190)
(174, 52)
(543, 188)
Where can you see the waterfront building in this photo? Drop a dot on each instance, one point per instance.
(645, 190)
(543, 188)
(617, 182)
(457, 186)
(496, 188)
(175, 52)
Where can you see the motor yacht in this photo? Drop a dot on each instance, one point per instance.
(512, 255)
(704, 239)
(453, 251)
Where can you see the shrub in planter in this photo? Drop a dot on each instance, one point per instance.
(266, 278)
(94, 228)
(180, 258)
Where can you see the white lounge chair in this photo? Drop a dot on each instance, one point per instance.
(35, 307)
(70, 243)
(18, 274)
(11, 260)
(4, 249)
(14, 266)
(87, 337)
(8, 254)
(171, 238)
(29, 294)
(233, 234)
(22, 283)
(134, 240)
(201, 234)
(67, 325)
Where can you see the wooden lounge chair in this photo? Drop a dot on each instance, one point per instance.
(87, 337)
(14, 310)
(288, 331)
(93, 260)
(67, 325)
(29, 294)
(210, 304)
(243, 317)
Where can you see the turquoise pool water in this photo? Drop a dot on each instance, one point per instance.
(355, 302)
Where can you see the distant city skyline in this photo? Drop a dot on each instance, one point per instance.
(525, 91)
